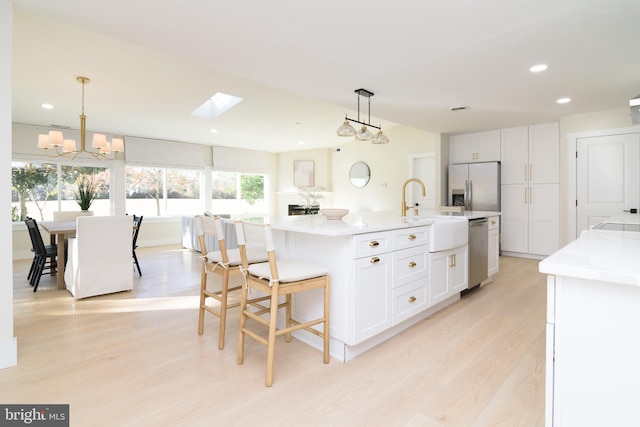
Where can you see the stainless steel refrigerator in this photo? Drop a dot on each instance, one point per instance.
(475, 186)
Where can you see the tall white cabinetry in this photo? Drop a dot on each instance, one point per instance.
(475, 147)
(530, 189)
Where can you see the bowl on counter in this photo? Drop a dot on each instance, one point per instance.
(334, 214)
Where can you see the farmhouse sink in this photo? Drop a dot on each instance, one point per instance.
(448, 234)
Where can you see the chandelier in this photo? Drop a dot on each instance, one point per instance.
(55, 145)
(363, 134)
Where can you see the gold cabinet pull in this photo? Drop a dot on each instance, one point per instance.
(374, 260)
(530, 172)
(373, 243)
(412, 264)
(526, 178)
(412, 237)
(412, 299)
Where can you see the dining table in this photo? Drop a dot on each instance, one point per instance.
(58, 232)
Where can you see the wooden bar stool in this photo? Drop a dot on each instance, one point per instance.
(222, 262)
(276, 278)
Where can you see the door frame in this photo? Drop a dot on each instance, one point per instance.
(572, 146)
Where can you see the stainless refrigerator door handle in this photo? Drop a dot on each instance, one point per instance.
(469, 205)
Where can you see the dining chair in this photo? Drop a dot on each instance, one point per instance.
(224, 262)
(99, 260)
(44, 256)
(277, 278)
(137, 222)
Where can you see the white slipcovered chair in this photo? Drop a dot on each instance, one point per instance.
(99, 259)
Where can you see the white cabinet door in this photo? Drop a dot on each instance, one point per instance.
(544, 154)
(544, 225)
(459, 270)
(372, 296)
(515, 218)
(462, 148)
(438, 272)
(488, 146)
(530, 154)
(493, 254)
(530, 218)
(448, 273)
(475, 147)
(514, 146)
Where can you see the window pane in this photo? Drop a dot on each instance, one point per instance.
(159, 191)
(144, 191)
(34, 190)
(239, 194)
(183, 191)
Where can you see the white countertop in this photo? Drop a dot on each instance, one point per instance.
(363, 222)
(467, 214)
(604, 255)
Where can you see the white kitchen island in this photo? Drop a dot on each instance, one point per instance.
(380, 274)
(593, 316)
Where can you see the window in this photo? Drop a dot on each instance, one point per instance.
(162, 191)
(239, 193)
(39, 189)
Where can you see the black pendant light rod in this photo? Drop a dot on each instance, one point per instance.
(366, 93)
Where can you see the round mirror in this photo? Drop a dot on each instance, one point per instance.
(359, 174)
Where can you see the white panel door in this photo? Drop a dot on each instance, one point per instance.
(423, 167)
(607, 177)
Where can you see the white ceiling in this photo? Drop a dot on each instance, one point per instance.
(297, 63)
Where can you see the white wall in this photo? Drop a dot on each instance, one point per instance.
(389, 165)
(8, 343)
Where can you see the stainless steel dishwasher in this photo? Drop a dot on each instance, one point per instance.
(478, 251)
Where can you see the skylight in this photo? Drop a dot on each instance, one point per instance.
(216, 105)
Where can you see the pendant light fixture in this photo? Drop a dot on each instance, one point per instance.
(60, 146)
(362, 134)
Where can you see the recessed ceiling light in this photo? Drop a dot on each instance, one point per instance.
(459, 108)
(213, 130)
(538, 68)
(46, 106)
(216, 105)
(300, 142)
(563, 100)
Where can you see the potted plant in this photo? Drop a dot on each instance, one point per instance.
(87, 190)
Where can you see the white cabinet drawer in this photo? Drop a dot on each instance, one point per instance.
(494, 222)
(371, 244)
(410, 299)
(410, 237)
(410, 264)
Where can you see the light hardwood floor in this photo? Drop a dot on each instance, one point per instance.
(135, 359)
